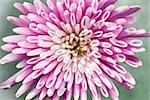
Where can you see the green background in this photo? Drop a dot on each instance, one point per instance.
(142, 89)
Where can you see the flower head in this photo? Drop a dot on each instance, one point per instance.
(70, 47)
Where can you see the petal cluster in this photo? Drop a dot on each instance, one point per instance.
(67, 48)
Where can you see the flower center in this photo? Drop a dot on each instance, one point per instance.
(77, 44)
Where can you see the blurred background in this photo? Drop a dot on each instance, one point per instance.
(142, 75)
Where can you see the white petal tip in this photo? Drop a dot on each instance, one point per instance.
(9, 18)
(133, 82)
(28, 97)
(60, 93)
(14, 30)
(5, 86)
(4, 39)
(3, 61)
(45, 72)
(17, 79)
(15, 4)
(76, 97)
(25, 3)
(137, 6)
(140, 63)
(17, 95)
(3, 47)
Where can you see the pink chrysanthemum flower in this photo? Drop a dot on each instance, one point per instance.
(71, 47)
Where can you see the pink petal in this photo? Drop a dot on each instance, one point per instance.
(76, 91)
(60, 9)
(24, 18)
(104, 91)
(70, 83)
(17, 21)
(33, 60)
(43, 27)
(46, 54)
(120, 69)
(54, 18)
(24, 88)
(83, 95)
(29, 6)
(23, 75)
(40, 5)
(61, 89)
(92, 88)
(42, 82)
(102, 3)
(50, 67)
(50, 91)
(89, 12)
(23, 31)
(21, 64)
(25, 44)
(8, 47)
(42, 64)
(130, 20)
(59, 80)
(114, 90)
(52, 5)
(35, 74)
(107, 70)
(68, 95)
(117, 77)
(36, 18)
(28, 79)
(79, 14)
(78, 77)
(43, 93)
(128, 86)
(134, 61)
(58, 68)
(11, 81)
(14, 38)
(20, 7)
(124, 11)
(128, 77)
(32, 93)
(105, 80)
(51, 81)
(67, 75)
(97, 80)
(20, 51)
(55, 97)
(36, 52)
(34, 28)
(10, 58)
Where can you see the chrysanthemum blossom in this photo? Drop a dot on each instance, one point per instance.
(70, 47)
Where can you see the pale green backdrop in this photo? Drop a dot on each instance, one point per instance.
(142, 75)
